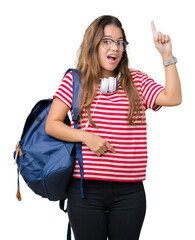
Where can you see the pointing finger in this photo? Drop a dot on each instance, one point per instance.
(153, 29)
(110, 147)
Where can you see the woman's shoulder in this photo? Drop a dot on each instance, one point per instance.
(135, 73)
(140, 78)
(68, 74)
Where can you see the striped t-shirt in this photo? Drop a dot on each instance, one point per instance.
(110, 116)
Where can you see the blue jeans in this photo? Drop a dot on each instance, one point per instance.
(109, 210)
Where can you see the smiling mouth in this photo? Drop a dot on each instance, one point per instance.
(112, 58)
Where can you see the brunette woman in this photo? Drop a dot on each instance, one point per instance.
(112, 130)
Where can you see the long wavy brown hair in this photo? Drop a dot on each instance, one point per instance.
(89, 66)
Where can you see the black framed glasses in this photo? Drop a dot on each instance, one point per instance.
(107, 43)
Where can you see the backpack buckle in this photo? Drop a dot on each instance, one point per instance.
(18, 152)
(75, 119)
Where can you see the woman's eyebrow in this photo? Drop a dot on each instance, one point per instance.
(108, 36)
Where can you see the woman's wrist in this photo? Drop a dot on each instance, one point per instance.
(167, 57)
(82, 136)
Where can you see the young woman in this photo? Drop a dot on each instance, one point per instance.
(112, 131)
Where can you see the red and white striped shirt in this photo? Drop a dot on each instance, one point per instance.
(110, 115)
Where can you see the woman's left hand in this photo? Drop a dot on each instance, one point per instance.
(162, 43)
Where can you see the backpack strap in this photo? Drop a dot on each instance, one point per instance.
(75, 118)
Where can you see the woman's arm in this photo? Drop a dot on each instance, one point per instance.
(55, 127)
(171, 96)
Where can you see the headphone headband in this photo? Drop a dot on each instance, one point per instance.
(109, 84)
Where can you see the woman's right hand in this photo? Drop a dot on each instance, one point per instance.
(97, 144)
(55, 127)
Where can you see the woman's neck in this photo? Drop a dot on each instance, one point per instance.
(107, 74)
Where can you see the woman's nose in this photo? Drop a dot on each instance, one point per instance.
(114, 46)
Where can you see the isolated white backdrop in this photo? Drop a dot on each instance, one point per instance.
(39, 41)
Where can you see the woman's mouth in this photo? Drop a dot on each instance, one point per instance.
(112, 58)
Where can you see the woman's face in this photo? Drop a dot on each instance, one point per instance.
(110, 57)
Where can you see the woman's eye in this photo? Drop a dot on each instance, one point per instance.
(108, 42)
(120, 43)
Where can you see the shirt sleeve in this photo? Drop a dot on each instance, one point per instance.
(65, 90)
(148, 89)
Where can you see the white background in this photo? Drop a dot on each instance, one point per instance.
(39, 40)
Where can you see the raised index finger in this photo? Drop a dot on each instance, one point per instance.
(153, 29)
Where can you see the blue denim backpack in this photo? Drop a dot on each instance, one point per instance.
(46, 163)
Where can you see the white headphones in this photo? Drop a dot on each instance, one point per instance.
(108, 85)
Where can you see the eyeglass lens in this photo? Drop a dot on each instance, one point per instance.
(108, 43)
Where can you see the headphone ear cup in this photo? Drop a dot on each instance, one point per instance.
(104, 85)
(111, 84)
